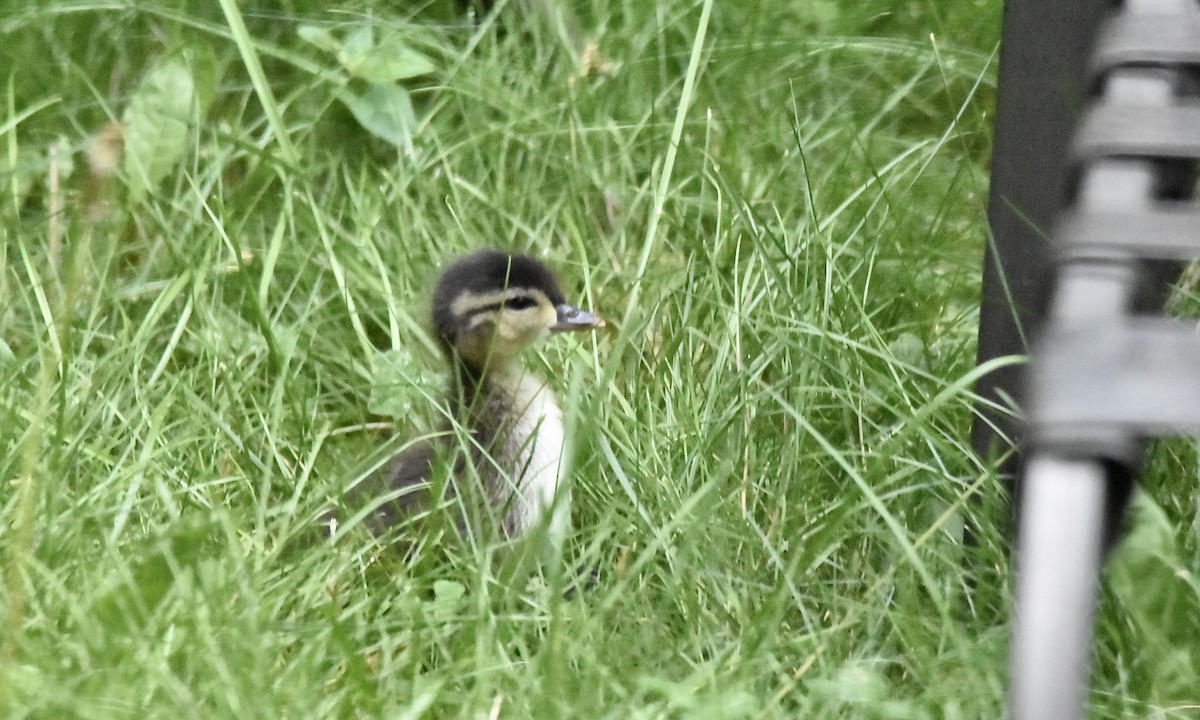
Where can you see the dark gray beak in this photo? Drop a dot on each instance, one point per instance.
(571, 318)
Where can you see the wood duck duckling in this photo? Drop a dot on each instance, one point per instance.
(488, 307)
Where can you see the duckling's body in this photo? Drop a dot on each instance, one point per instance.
(487, 307)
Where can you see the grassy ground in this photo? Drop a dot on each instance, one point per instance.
(779, 206)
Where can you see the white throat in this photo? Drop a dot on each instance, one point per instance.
(530, 447)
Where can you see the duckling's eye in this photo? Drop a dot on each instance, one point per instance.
(520, 302)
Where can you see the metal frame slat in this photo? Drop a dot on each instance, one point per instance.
(1170, 233)
(1137, 39)
(1112, 130)
(1093, 383)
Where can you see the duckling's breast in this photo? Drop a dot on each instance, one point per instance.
(527, 454)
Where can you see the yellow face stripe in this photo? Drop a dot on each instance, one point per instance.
(488, 332)
(469, 304)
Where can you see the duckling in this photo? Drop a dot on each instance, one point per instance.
(487, 307)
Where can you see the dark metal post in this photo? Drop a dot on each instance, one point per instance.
(1043, 64)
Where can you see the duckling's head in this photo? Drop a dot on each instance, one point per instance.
(490, 305)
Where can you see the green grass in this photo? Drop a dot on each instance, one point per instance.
(784, 219)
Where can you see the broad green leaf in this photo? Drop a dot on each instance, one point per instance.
(159, 116)
(447, 599)
(908, 349)
(390, 61)
(320, 37)
(853, 683)
(391, 389)
(448, 591)
(356, 46)
(386, 112)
